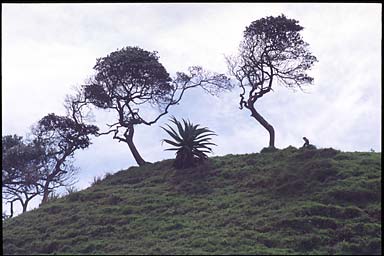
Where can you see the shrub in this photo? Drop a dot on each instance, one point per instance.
(71, 190)
(310, 146)
(328, 152)
(113, 199)
(96, 180)
(54, 209)
(355, 195)
(305, 153)
(53, 196)
(289, 150)
(73, 197)
(50, 246)
(191, 143)
(107, 175)
(268, 150)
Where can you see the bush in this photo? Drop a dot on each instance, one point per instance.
(355, 195)
(50, 246)
(53, 196)
(305, 153)
(113, 199)
(310, 146)
(268, 150)
(290, 149)
(107, 175)
(328, 152)
(71, 190)
(73, 197)
(309, 243)
(96, 180)
(190, 143)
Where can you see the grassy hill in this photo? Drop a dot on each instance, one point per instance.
(288, 201)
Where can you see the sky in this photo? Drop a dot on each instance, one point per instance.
(48, 49)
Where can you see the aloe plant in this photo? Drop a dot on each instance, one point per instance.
(191, 143)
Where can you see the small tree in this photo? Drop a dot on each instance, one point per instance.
(130, 78)
(21, 166)
(60, 137)
(272, 50)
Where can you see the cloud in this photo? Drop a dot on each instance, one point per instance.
(49, 48)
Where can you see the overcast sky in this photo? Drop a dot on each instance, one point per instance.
(47, 49)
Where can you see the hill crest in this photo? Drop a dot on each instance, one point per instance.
(290, 201)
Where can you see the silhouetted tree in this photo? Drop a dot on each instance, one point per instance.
(21, 166)
(60, 136)
(272, 50)
(43, 163)
(128, 79)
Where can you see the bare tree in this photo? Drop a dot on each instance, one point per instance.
(272, 50)
(128, 79)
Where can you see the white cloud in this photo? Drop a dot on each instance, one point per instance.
(48, 48)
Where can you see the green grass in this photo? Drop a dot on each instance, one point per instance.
(281, 202)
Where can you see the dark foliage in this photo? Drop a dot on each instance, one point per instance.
(191, 143)
(272, 50)
(21, 170)
(131, 77)
(44, 162)
(268, 150)
(60, 137)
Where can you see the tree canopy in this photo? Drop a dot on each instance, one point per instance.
(272, 50)
(129, 78)
(129, 75)
(60, 137)
(21, 170)
(43, 162)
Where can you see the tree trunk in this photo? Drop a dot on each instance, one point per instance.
(46, 193)
(25, 205)
(139, 160)
(265, 124)
(10, 216)
(129, 139)
(51, 176)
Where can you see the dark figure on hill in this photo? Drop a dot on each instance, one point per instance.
(306, 143)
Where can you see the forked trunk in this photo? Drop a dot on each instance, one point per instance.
(265, 124)
(25, 205)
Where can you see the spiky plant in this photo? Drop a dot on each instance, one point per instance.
(191, 143)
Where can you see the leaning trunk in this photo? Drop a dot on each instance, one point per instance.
(45, 197)
(140, 161)
(129, 139)
(265, 124)
(51, 176)
(46, 193)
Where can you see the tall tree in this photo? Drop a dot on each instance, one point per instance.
(272, 50)
(60, 136)
(129, 79)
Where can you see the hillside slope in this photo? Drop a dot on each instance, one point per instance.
(283, 202)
